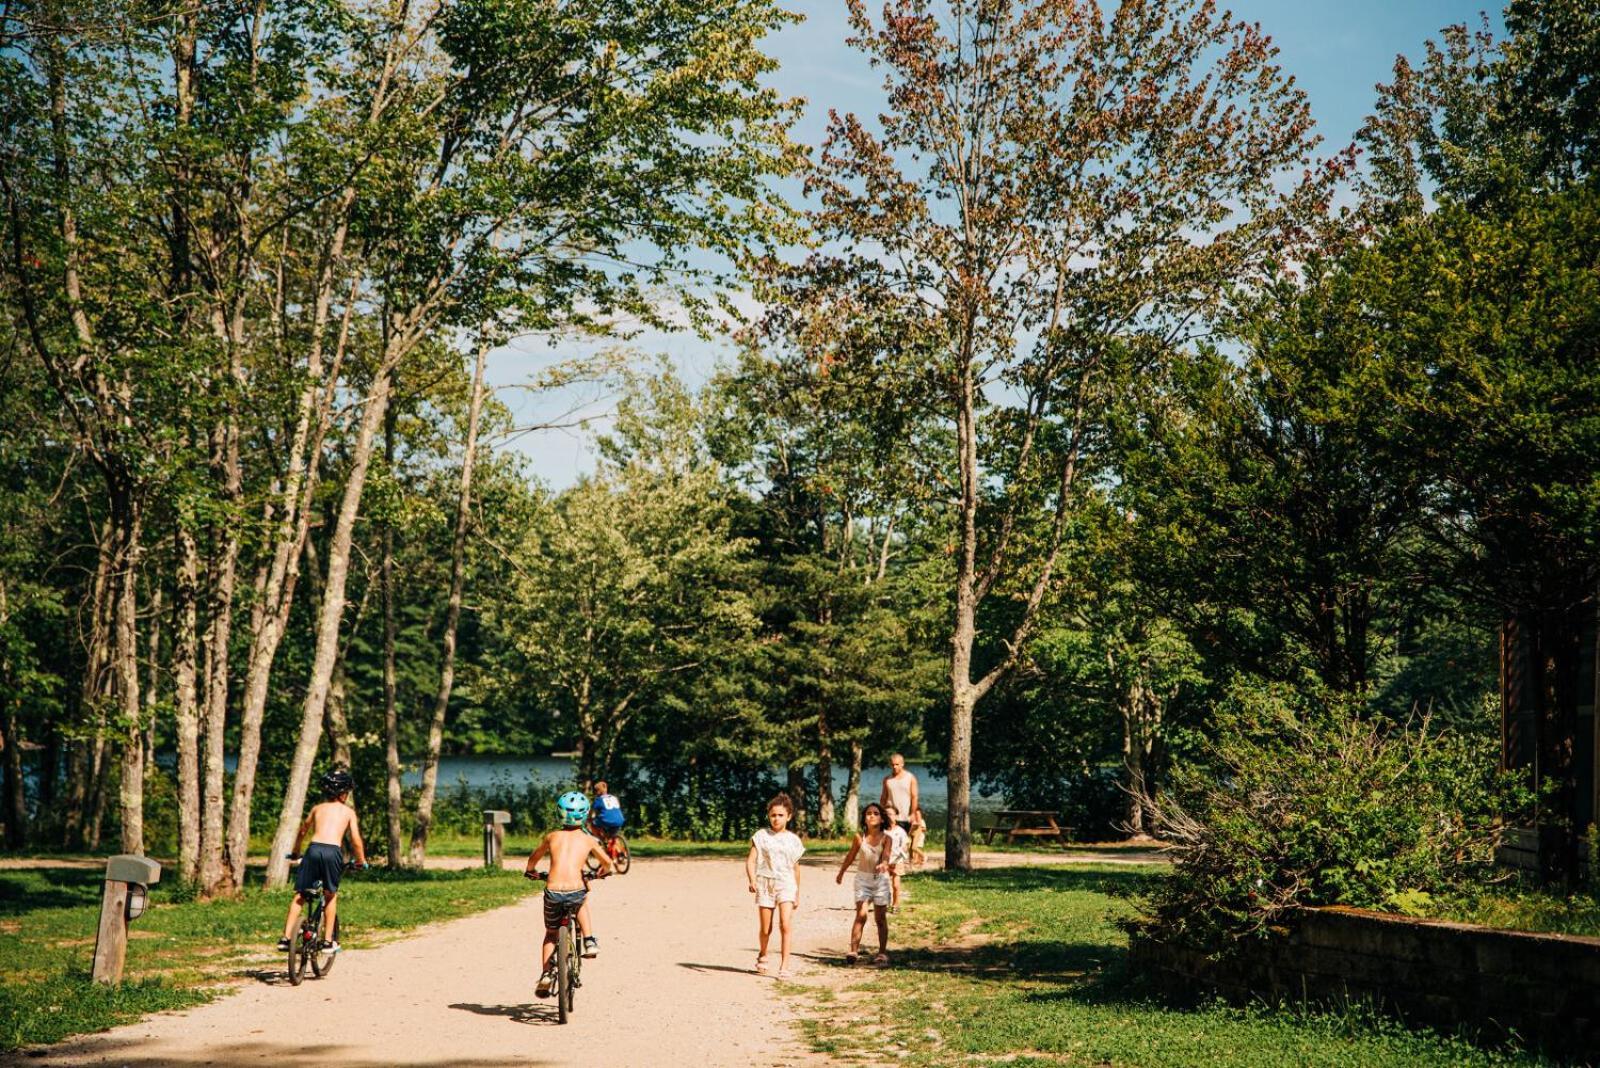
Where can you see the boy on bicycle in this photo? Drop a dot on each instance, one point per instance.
(605, 813)
(323, 860)
(565, 890)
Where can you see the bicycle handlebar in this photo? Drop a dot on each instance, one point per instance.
(587, 875)
(348, 864)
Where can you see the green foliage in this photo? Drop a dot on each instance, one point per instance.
(1308, 802)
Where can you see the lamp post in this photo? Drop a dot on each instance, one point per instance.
(127, 893)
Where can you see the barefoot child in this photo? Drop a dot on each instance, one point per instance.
(899, 851)
(564, 888)
(323, 862)
(772, 872)
(919, 839)
(870, 852)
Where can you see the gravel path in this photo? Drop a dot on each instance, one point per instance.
(672, 986)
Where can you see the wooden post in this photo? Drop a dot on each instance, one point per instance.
(494, 835)
(127, 876)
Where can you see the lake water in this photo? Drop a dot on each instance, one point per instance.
(479, 771)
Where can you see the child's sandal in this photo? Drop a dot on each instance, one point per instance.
(761, 966)
(881, 959)
(850, 958)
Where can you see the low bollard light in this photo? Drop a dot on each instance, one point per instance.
(127, 894)
(494, 835)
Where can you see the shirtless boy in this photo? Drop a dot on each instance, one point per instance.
(323, 859)
(564, 888)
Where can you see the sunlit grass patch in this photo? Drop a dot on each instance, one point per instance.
(179, 951)
(1027, 965)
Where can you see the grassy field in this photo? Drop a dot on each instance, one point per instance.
(179, 951)
(1026, 965)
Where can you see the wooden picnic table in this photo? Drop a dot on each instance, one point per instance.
(1016, 823)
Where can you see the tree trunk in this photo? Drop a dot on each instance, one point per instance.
(99, 793)
(186, 712)
(852, 790)
(49, 765)
(16, 801)
(130, 796)
(83, 761)
(291, 525)
(825, 813)
(218, 640)
(1141, 723)
(963, 695)
(391, 716)
(797, 793)
(338, 726)
(458, 550)
(153, 679)
(328, 625)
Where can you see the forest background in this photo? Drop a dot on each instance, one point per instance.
(1088, 415)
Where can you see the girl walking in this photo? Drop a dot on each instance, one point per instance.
(872, 853)
(771, 867)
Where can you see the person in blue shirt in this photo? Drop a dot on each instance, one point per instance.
(605, 812)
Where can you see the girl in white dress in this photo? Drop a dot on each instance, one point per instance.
(872, 853)
(771, 868)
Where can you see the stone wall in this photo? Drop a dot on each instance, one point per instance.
(1544, 989)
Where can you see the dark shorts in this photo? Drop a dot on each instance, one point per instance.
(904, 825)
(559, 903)
(323, 864)
(608, 828)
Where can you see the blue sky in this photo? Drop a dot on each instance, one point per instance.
(1338, 50)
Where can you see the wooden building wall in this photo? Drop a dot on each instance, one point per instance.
(1549, 692)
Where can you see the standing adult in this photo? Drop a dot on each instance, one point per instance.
(899, 799)
(900, 790)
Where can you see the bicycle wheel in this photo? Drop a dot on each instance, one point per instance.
(564, 957)
(622, 858)
(322, 959)
(297, 956)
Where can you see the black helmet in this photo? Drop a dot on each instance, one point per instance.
(336, 782)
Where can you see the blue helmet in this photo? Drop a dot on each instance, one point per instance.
(574, 808)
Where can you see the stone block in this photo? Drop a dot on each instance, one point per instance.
(129, 868)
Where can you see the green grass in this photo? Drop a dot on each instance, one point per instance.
(1525, 909)
(179, 951)
(1027, 965)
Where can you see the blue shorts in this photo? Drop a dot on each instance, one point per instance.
(559, 903)
(322, 863)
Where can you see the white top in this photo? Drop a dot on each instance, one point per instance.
(901, 843)
(776, 854)
(867, 854)
(899, 789)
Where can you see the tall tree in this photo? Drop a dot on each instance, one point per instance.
(1054, 193)
(568, 179)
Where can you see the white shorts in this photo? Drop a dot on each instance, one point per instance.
(874, 888)
(772, 892)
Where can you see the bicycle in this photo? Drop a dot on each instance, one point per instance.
(306, 945)
(569, 953)
(616, 848)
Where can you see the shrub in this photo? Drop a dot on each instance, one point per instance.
(1308, 802)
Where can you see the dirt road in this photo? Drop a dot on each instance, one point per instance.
(672, 986)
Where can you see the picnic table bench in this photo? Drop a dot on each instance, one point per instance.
(1016, 823)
